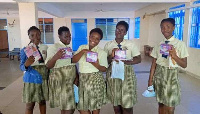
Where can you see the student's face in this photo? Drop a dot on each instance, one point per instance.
(65, 37)
(120, 32)
(167, 29)
(94, 39)
(35, 36)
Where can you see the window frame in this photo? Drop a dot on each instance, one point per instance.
(6, 23)
(113, 23)
(137, 28)
(194, 42)
(44, 31)
(178, 14)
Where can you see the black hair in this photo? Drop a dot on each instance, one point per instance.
(61, 29)
(98, 30)
(124, 23)
(171, 20)
(33, 28)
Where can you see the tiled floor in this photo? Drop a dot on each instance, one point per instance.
(11, 78)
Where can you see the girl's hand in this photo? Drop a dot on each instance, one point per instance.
(95, 63)
(172, 52)
(85, 51)
(59, 54)
(113, 52)
(29, 61)
(125, 61)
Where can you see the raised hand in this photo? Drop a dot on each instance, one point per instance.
(85, 51)
(29, 61)
(59, 54)
(172, 52)
(113, 52)
(95, 63)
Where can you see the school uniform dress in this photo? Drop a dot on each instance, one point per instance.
(165, 79)
(92, 87)
(122, 92)
(35, 90)
(61, 79)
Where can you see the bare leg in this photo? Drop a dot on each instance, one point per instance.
(169, 110)
(127, 110)
(161, 108)
(118, 109)
(29, 108)
(42, 106)
(96, 111)
(84, 112)
(67, 111)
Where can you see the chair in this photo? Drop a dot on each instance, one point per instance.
(13, 53)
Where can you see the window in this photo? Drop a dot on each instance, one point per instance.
(137, 27)
(195, 27)
(108, 26)
(3, 24)
(178, 16)
(46, 28)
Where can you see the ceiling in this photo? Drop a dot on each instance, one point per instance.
(64, 9)
(4, 6)
(67, 7)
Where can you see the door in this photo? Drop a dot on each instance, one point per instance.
(79, 33)
(3, 40)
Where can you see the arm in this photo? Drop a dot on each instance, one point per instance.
(51, 63)
(180, 61)
(110, 57)
(98, 66)
(106, 49)
(76, 81)
(136, 60)
(152, 71)
(78, 56)
(25, 62)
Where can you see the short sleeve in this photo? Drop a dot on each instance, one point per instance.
(23, 59)
(51, 51)
(183, 52)
(106, 49)
(103, 59)
(134, 51)
(79, 49)
(154, 53)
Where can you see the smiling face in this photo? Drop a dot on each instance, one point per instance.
(94, 39)
(120, 32)
(65, 37)
(35, 36)
(167, 29)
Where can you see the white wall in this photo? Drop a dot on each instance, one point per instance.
(90, 16)
(154, 33)
(150, 33)
(58, 22)
(14, 36)
(150, 25)
(27, 18)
